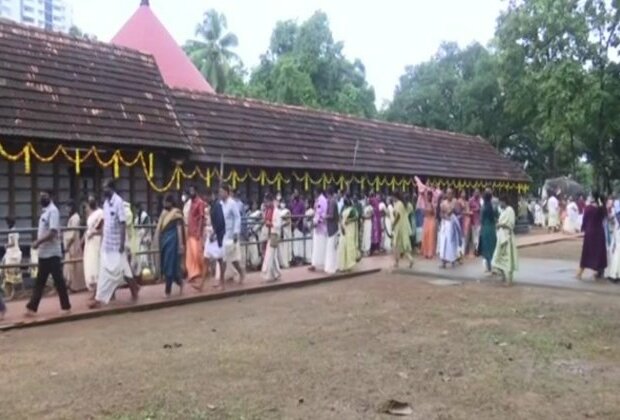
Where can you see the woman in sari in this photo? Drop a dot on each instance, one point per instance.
(347, 246)
(73, 271)
(377, 224)
(402, 231)
(367, 229)
(465, 223)
(429, 228)
(388, 224)
(13, 255)
(594, 251)
(92, 245)
(505, 254)
(170, 231)
(488, 233)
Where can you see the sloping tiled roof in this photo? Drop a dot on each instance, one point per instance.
(56, 87)
(255, 133)
(144, 32)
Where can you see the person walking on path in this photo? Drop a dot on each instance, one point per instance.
(50, 255)
(488, 233)
(170, 233)
(505, 258)
(319, 232)
(333, 228)
(114, 263)
(12, 256)
(73, 268)
(347, 246)
(594, 251)
(195, 230)
(232, 248)
(402, 231)
(213, 250)
(273, 222)
(92, 245)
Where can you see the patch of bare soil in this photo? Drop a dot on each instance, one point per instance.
(333, 351)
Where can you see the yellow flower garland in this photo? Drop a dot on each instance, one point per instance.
(234, 177)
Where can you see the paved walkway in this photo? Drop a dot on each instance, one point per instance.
(535, 272)
(152, 297)
(526, 241)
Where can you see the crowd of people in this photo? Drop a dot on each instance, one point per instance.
(558, 213)
(218, 236)
(601, 241)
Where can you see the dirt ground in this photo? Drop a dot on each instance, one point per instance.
(565, 250)
(333, 351)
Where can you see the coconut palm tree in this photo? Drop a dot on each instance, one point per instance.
(212, 53)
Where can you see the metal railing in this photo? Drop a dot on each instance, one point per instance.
(248, 224)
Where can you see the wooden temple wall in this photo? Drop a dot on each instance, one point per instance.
(19, 191)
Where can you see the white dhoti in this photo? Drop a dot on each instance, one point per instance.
(366, 236)
(319, 243)
(448, 248)
(554, 220)
(114, 269)
(284, 253)
(331, 254)
(271, 265)
(298, 244)
(613, 268)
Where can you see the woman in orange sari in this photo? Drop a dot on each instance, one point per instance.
(429, 228)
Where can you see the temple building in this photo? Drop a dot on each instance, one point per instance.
(75, 111)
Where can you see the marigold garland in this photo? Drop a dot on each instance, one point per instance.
(234, 177)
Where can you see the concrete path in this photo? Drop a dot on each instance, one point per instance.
(152, 297)
(532, 272)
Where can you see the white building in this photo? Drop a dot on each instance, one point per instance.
(56, 15)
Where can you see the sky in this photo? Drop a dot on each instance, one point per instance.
(387, 35)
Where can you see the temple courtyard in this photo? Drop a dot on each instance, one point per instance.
(336, 350)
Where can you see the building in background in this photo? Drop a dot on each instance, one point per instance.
(53, 15)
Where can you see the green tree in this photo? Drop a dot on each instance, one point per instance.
(305, 66)
(76, 32)
(213, 53)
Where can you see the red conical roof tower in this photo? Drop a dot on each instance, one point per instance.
(144, 32)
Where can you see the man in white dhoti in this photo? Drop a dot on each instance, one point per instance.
(114, 264)
(298, 211)
(331, 248)
(571, 222)
(553, 207)
(273, 222)
(232, 246)
(450, 236)
(319, 232)
(539, 215)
